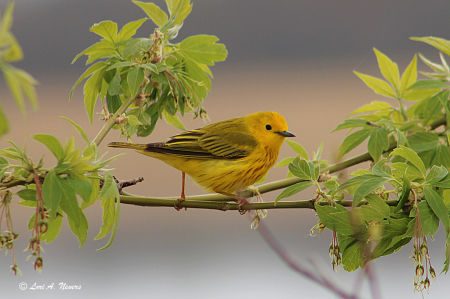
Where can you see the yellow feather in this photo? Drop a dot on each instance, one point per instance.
(223, 157)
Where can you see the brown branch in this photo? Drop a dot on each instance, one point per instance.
(288, 259)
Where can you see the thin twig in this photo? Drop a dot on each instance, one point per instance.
(373, 281)
(287, 258)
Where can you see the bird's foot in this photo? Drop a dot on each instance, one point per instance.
(242, 201)
(179, 201)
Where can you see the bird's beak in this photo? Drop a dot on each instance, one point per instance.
(285, 134)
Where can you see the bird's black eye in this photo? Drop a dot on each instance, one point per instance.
(268, 127)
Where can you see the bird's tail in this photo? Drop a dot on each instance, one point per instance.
(128, 145)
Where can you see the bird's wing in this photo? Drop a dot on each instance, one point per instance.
(228, 139)
(222, 140)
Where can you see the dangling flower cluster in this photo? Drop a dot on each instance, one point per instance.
(319, 227)
(39, 228)
(7, 240)
(420, 255)
(259, 213)
(335, 253)
(422, 265)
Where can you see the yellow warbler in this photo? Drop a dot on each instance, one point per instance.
(224, 157)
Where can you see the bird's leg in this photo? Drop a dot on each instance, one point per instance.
(241, 201)
(183, 196)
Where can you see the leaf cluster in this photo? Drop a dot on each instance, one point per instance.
(139, 80)
(163, 78)
(20, 83)
(76, 175)
(411, 163)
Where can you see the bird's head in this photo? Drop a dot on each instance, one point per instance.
(268, 128)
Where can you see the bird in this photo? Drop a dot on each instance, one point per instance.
(225, 157)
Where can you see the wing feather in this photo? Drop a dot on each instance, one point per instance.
(223, 140)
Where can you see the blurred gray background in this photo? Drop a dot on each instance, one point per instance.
(294, 57)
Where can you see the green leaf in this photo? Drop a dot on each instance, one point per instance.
(378, 85)
(373, 106)
(203, 49)
(27, 83)
(381, 169)
(27, 194)
(52, 192)
(135, 45)
(428, 84)
(377, 209)
(435, 174)
(4, 127)
(285, 162)
(106, 29)
(409, 76)
(336, 219)
(95, 185)
(82, 187)
(150, 66)
(352, 256)
(173, 120)
(388, 68)
(7, 18)
(300, 169)
(114, 88)
(53, 229)
(351, 123)
(404, 170)
(436, 67)
(298, 149)
(121, 64)
(442, 156)
(92, 69)
(132, 120)
(356, 180)
(129, 29)
(423, 141)
(13, 82)
(197, 79)
(113, 103)
(135, 79)
(97, 50)
(179, 10)
(367, 187)
(411, 156)
(75, 216)
(404, 196)
(158, 16)
(111, 209)
(353, 140)
(378, 143)
(294, 189)
(109, 189)
(419, 94)
(444, 183)
(91, 90)
(52, 143)
(427, 157)
(396, 227)
(437, 42)
(436, 203)
(107, 218)
(79, 129)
